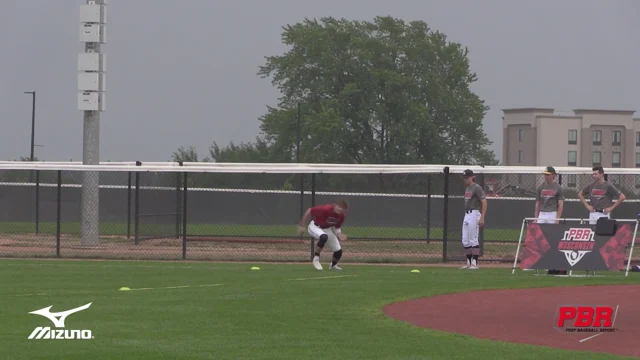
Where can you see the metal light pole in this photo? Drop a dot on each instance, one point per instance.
(91, 100)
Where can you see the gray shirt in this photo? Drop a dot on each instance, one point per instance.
(601, 195)
(548, 195)
(472, 196)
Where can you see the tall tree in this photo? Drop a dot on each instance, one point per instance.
(385, 91)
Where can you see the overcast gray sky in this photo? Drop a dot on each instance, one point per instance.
(184, 72)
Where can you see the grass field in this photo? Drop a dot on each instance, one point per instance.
(229, 312)
(243, 230)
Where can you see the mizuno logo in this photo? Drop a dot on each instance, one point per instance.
(58, 320)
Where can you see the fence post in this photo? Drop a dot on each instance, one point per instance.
(313, 203)
(37, 202)
(445, 215)
(58, 212)
(129, 205)
(428, 208)
(136, 215)
(184, 216)
(178, 205)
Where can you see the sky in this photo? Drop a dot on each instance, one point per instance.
(184, 73)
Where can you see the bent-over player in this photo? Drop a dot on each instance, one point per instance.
(326, 228)
(601, 194)
(475, 208)
(549, 199)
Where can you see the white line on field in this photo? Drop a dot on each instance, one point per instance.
(97, 292)
(590, 337)
(176, 287)
(319, 277)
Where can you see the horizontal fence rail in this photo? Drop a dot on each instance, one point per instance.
(202, 211)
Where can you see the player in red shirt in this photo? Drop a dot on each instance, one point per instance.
(325, 227)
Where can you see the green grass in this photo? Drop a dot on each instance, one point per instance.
(241, 230)
(253, 315)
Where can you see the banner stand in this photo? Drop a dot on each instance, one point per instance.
(527, 221)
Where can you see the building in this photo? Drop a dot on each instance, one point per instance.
(541, 137)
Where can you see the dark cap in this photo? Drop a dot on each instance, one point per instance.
(467, 173)
(549, 170)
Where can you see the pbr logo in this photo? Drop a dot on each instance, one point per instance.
(58, 319)
(576, 243)
(586, 318)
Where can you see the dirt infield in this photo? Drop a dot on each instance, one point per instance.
(527, 316)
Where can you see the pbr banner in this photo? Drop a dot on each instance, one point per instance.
(574, 247)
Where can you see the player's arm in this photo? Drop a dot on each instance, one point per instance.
(560, 202)
(616, 193)
(581, 195)
(536, 209)
(312, 211)
(483, 201)
(341, 236)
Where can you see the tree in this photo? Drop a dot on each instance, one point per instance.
(385, 91)
(189, 154)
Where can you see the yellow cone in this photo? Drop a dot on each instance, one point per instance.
(124, 289)
(415, 271)
(255, 268)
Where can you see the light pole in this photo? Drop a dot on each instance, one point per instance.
(91, 100)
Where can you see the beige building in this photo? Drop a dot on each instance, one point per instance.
(541, 137)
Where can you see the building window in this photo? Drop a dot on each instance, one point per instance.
(597, 137)
(520, 156)
(614, 179)
(597, 158)
(573, 158)
(638, 138)
(616, 159)
(617, 138)
(571, 180)
(520, 134)
(573, 137)
(637, 159)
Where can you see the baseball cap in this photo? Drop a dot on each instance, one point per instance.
(467, 173)
(549, 170)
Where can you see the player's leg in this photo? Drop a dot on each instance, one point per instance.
(465, 240)
(593, 217)
(334, 245)
(321, 236)
(548, 217)
(474, 233)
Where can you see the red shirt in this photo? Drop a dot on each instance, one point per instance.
(325, 217)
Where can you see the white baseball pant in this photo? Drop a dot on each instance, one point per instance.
(594, 216)
(332, 242)
(470, 228)
(547, 217)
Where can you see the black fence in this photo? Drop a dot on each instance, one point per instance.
(410, 218)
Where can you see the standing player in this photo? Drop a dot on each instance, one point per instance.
(549, 199)
(475, 208)
(325, 227)
(601, 194)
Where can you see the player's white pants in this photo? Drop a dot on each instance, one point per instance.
(547, 217)
(470, 228)
(594, 216)
(332, 241)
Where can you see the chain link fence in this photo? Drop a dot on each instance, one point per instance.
(393, 218)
